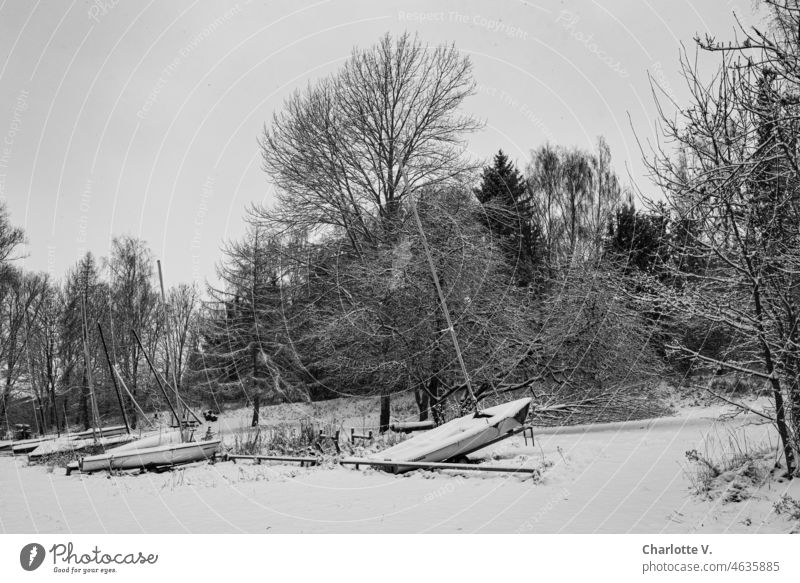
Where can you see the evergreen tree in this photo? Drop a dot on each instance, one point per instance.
(639, 240)
(507, 214)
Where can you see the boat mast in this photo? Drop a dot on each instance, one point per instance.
(165, 311)
(114, 380)
(442, 299)
(158, 382)
(89, 380)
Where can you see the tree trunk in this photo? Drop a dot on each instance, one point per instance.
(53, 406)
(423, 403)
(42, 417)
(256, 387)
(4, 408)
(65, 420)
(436, 406)
(85, 402)
(256, 407)
(386, 406)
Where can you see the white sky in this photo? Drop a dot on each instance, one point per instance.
(142, 118)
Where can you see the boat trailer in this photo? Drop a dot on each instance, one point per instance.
(526, 430)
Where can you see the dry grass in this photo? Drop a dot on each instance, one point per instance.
(729, 469)
(285, 439)
(788, 506)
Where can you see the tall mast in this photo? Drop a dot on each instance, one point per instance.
(168, 336)
(89, 380)
(114, 380)
(442, 299)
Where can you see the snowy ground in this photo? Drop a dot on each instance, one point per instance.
(613, 478)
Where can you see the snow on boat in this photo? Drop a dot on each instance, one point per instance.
(5, 446)
(110, 431)
(28, 445)
(72, 444)
(151, 457)
(459, 437)
(153, 440)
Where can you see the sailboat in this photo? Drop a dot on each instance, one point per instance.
(459, 437)
(97, 436)
(73, 443)
(134, 455)
(158, 450)
(463, 435)
(161, 450)
(23, 446)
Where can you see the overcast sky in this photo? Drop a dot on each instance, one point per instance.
(142, 117)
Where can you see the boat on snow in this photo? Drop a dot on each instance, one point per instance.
(110, 431)
(73, 444)
(104, 436)
(133, 456)
(23, 446)
(458, 437)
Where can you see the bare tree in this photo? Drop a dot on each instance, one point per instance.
(572, 194)
(737, 184)
(134, 306)
(607, 194)
(336, 149)
(182, 302)
(43, 328)
(11, 238)
(21, 302)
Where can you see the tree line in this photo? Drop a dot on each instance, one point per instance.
(383, 232)
(60, 339)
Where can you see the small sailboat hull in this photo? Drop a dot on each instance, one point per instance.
(458, 437)
(24, 446)
(110, 431)
(67, 445)
(151, 457)
(152, 440)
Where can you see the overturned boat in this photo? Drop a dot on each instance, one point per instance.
(459, 437)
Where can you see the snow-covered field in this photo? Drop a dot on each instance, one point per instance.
(612, 478)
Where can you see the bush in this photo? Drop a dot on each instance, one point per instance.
(736, 385)
(730, 473)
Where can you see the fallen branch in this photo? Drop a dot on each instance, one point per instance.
(741, 406)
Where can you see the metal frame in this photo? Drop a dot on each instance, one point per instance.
(357, 462)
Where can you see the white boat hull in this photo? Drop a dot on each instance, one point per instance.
(28, 445)
(110, 431)
(152, 440)
(458, 437)
(66, 445)
(149, 457)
